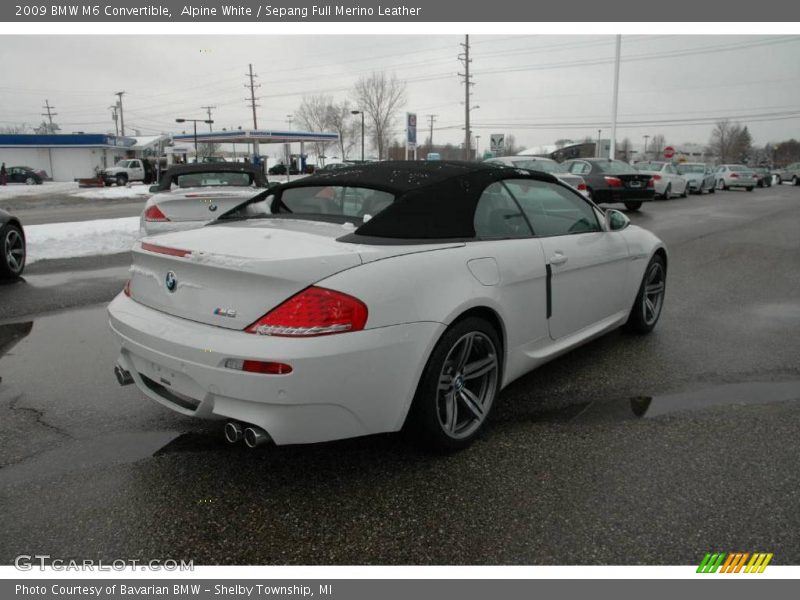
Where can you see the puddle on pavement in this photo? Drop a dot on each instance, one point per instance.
(103, 451)
(46, 280)
(76, 344)
(649, 407)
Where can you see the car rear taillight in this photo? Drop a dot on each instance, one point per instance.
(651, 183)
(127, 289)
(165, 250)
(154, 214)
(314, 311)
(614, 182)
(582, 187)
(656, 177)
(734, 176)
(258, 366)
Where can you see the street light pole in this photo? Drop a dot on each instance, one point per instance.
(360, 112)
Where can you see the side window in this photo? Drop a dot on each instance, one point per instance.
(497, 216)
(552, 209)
(579, 168)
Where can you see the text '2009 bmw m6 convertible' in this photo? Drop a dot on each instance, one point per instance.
(378, 297)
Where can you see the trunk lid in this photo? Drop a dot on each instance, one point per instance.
(231, 275)
(201, 204)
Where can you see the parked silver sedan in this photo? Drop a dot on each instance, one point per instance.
(788, 173)
(700, 177)
(735, 176)
(545, 165)
(666, 179)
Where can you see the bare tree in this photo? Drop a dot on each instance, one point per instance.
(15, 129)
(727, 140)
(205, 149)
(314, 114)
(47, 128)
(380, 97)
(341, 122)
(626, 149)
(657, 145)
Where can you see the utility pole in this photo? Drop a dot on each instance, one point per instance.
(252, 85)
(465, 60)
(647, 137)
(597, 150)
(121, 115)
(49, 114)
(208, 109)
(115, 116)
(431, 120)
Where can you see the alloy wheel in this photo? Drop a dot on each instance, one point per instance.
(653, 297)
(14, 251)
(467, 385)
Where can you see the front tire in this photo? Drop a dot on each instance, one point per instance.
(12, 245)
(458, 387)
(122, 179)
(667, 192)
(650, 299)
(721, 185)
(633, 205)
(685, 191)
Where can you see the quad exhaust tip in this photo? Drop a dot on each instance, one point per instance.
(234, 432)
(123, 377)
(253, 436)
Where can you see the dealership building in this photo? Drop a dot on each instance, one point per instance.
(67, 157)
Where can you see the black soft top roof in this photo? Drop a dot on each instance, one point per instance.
(433, 199)
(215, 167)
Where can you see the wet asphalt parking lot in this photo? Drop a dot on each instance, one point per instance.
(629, 450)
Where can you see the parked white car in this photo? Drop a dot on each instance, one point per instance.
(666, 180)
(735, 176)
(299, 319)
(545, 165)
(189, 196)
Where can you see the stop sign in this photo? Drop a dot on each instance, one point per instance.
(669, 152)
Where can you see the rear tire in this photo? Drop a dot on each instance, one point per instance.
(750, 189)
(650, 300)
(721, 185)
(458, 387)
(12, 251)
(667, 192)
(633, 205)
(795, 180)
(712, 190)
(685, 190)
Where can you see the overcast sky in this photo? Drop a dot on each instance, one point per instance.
(538, 88)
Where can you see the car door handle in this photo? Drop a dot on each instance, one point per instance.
(558, 259)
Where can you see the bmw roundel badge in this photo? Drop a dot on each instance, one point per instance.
(171, 281)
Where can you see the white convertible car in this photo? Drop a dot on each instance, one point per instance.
(378, 297)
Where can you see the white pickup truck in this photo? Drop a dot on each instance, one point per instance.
(130, 169)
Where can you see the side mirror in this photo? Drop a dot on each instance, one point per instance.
(153, 189)
(616, 221)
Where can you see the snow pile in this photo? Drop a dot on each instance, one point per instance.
(114, 193)
(48, 187)
(84, 238)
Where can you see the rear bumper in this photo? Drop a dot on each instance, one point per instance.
(613, 195)
(341, 386)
